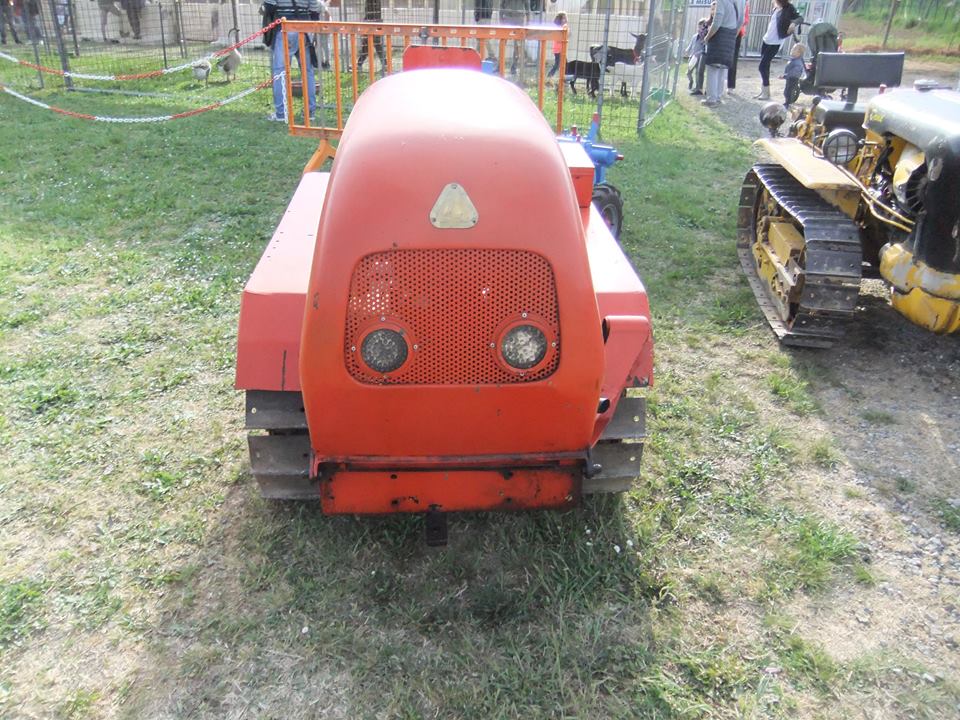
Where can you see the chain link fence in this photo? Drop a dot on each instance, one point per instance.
(622, 57)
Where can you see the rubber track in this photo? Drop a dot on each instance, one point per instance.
(832, 266)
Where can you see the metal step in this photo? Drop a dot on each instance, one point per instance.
(620, 466)
(620, 449)
(275, 410)
(281, 466)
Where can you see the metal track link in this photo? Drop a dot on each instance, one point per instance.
(832, 258)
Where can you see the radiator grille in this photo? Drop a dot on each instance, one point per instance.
(452, 303)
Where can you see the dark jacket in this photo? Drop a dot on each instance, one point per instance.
(788, 14)
(720, 47)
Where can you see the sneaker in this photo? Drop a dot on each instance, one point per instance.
(710, 103)
(696, 92)
(273, 117)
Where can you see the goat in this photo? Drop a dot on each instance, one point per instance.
(589, 71)
(633, 56)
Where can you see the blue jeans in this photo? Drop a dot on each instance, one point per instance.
(276, 67)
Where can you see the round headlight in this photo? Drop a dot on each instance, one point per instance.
(523, 347)
(841, 146)
(384, 350)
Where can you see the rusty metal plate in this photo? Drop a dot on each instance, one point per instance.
(620, 466)
(629, 421)
(281, 466)
(275, 410)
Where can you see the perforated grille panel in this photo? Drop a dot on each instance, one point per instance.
(451, 306)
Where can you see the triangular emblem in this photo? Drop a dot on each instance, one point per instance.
(453, 209)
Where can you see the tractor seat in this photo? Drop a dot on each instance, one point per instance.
(839, 114)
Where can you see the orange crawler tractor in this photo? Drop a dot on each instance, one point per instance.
(443, 322)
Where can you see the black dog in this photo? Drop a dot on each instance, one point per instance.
(589, 71)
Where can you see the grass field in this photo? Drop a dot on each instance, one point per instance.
(142, 575)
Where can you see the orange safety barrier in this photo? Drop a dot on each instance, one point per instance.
(408, 34)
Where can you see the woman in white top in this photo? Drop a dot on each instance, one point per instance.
(782, 26)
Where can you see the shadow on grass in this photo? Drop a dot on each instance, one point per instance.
(527, 610)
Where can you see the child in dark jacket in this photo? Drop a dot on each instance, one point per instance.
(695, 50)
(793, 72)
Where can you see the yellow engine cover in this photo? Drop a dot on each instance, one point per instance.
(933, 313)
(927, 297)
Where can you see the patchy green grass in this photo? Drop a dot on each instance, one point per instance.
(793, 391)
(20, 603)
(878, 417)
(144, 577)
(949, 514)
(823, 452)
(808, 552)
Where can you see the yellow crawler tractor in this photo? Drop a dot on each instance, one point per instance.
(855, 190)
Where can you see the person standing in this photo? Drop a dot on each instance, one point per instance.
(515, 12)
(781, 26)
(560, 20)
(323, 39)
(372, 12)
(291, 10)
(483, 15)
(30, 12)
(6, 18)
(792, 73)
(719, 54)
(695, 50)
(744, 8)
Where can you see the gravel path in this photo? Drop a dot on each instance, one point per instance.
(890, 399)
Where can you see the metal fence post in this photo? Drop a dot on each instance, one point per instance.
(645, 84)
(61, 48)
(679, 47)
(236, 19)
(163, 36)
(71, 15)
(178, 16)
(603, 64)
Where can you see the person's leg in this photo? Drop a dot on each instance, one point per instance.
(701, 69)
(276, 67)
(133, 14)
(381, 52)
(323, 40)
(362, 50)
(6, 17)
(714, 87)
(33, 30)
(556, 65)
(732, 70)
(311, 84)
(789, 89)
(517, 56)
(767, 52)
